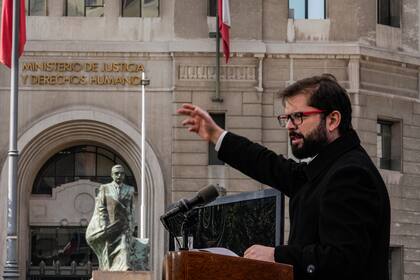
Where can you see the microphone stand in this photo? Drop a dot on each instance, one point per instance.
(185, 231)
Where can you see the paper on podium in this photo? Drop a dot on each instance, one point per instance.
(219, 251)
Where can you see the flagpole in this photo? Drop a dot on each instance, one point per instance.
(11, 268)
(144, 83)
(217, 97)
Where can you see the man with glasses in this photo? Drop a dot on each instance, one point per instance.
(339, 206)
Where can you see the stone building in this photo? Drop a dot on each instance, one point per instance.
(80, 108)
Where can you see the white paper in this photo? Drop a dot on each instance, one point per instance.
(219, 251)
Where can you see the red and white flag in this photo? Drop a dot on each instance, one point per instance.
(6, 31)
(224, 26)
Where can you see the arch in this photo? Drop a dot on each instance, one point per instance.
(76, 156)
(87, 125)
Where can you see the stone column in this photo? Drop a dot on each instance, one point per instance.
(357, 100)
(56, 8)
(291, 30)
(353, 70)
(260, 58)
(112, 8)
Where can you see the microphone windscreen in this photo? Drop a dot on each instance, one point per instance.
(208, 194)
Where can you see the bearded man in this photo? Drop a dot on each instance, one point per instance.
(339, 206)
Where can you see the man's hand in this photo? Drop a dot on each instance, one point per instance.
(200, 122)
(259, 252)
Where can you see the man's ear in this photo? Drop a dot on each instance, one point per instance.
(333, 120)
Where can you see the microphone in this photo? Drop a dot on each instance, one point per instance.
(203, 197)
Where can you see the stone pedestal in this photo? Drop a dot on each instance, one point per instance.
(121, 275)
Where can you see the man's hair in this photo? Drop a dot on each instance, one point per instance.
(117, 167)
(325, 93)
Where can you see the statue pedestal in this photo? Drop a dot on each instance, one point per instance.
(121, 275)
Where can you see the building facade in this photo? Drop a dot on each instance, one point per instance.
(80, 108)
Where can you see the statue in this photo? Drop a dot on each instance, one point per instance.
(110, 231)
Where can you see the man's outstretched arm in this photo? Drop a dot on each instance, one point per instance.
(200, 122)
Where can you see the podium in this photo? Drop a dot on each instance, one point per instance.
(193, 265)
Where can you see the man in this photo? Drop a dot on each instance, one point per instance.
(111, 228)
(339, 206)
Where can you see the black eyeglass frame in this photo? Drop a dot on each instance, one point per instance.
(297, 117)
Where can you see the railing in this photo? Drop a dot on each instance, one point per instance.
(56, 271)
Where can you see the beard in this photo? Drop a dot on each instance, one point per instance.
(312, 144)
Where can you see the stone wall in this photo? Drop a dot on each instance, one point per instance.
(379, 65)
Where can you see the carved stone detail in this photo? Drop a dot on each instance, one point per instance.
(84, 203)
(208, 72)
(68, 205)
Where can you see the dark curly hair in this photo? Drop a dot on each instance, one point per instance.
(325, 93)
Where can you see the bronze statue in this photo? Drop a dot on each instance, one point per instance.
(110, 231)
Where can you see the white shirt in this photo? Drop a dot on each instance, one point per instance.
(220, 140)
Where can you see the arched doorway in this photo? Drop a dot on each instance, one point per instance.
(61, 205)
(85, 126)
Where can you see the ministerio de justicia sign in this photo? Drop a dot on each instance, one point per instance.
(81, 74)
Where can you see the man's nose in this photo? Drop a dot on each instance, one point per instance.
(290, 125)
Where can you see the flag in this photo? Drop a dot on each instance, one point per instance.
(72, 246)
(6, 31)
(224, 25)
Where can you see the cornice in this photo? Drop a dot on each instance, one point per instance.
(206, 47)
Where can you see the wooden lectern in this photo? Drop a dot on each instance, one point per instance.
(193, 265)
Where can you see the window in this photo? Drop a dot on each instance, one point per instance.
(211, 8)
(395, 262)
(140, 8)
(219, 119)
(307, 9)
(36, 7)
(64, 244)
(85, 8)
(80, 162)
(389, 145)
(389, 12)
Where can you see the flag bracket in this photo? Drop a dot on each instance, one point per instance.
(217, 99)
(145, 82)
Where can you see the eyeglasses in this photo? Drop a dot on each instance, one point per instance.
(296, 118)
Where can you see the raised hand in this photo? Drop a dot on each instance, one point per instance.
(200, 122)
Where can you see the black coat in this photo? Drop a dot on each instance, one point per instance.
(339, 207)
